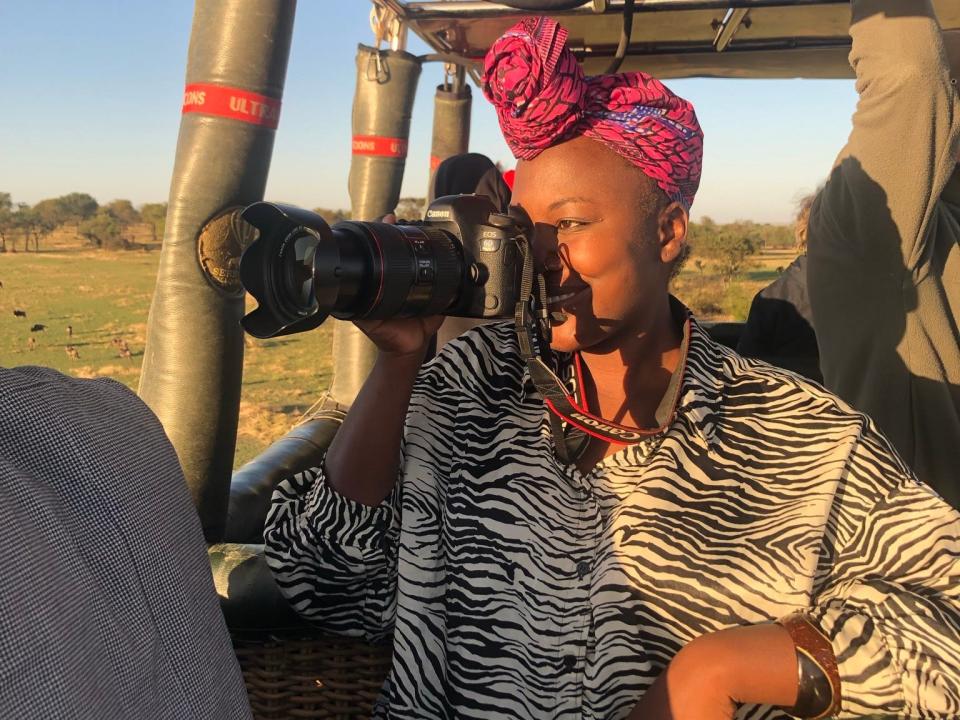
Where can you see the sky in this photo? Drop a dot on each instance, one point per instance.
(92, 91)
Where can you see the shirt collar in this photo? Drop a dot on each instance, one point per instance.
(702, 387)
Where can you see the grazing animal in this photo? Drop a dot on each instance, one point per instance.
(125, 353)
(31, 343)
(69, 331)
(17, 312)
(37, 327)
(72, 352)
(116, 342)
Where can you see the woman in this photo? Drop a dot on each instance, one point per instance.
(638, 580)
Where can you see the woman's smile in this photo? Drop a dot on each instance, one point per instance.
(566, 297)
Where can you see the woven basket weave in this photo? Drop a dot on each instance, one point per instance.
(311, 677)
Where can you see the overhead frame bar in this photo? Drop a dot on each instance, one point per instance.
(436, 9)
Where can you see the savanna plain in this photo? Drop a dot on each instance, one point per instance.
(84, 312)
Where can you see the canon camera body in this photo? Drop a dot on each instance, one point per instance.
(465, 259)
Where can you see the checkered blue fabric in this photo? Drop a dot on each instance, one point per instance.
(107, 606)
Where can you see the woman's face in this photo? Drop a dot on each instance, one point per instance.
(605, 236)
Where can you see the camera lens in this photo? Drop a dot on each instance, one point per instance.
(298, 269)
(394, 270)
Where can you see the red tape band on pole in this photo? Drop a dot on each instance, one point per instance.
(380, 146)
(233, 103)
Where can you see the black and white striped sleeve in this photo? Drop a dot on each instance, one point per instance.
(891, 604)
(334, 559)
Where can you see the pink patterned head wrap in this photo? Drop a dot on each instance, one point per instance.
(543, 98)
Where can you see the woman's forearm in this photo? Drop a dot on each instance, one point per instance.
(759, 663)
(892, 38)
(362, 461)
(711, 675)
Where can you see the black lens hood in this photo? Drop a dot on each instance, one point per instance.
(275, 223)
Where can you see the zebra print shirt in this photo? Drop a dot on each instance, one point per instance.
(513, 585)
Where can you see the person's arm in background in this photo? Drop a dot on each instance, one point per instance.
(874, 227)
(951, 43)
(875, 208)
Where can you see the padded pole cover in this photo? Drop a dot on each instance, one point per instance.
(451, 127)
(382, 106)
(249, 596)
(302, 448)
(193, 360)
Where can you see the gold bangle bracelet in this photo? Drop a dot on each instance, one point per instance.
(818, 678)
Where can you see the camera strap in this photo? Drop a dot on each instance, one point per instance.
(571, 423)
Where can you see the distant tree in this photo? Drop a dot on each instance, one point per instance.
(49, 214)
(6, 219)
(156, 215)
(332, 216)
(32, 224)
(44, 218)
(728, 248)
(123, 211)
(75, 207)
(102, 230)
(411, 208)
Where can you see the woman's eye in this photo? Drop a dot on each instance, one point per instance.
(566, 224)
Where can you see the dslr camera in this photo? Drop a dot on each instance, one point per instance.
(465, 259)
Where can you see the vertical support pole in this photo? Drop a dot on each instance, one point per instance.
(382, 107)
(451, 122)
(193, 361)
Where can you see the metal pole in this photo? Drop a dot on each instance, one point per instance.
(193, 361)
(382, 106)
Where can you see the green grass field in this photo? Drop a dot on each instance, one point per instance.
(105, 295)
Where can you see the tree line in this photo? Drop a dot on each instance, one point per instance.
(727, 247)
(101, 226)
(723, 247)
(408, 208)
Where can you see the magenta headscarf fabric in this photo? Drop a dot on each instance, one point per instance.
(543, 98)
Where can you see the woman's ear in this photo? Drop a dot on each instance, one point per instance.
(673, 221)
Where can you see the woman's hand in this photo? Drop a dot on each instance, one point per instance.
(710, 676)
(401, 337)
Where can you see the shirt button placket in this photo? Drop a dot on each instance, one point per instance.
(587, 534)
